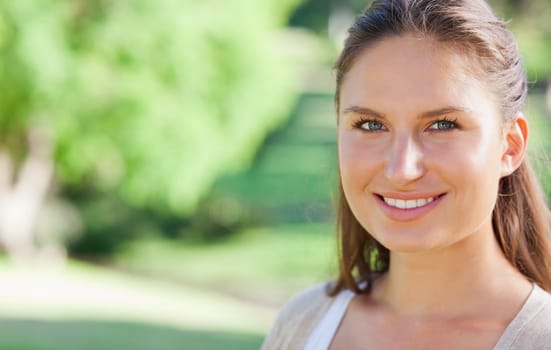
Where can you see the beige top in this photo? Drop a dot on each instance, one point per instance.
(529, 330)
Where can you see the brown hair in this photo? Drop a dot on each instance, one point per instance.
(521, 219)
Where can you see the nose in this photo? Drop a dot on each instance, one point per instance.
(405, 161)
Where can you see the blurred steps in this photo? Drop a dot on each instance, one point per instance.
(292, 178)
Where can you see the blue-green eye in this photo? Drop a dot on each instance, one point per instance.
(443, 124)
(371, 125)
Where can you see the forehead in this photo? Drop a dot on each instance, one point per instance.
(413, 70)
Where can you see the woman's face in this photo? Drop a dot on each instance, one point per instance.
(421, 145)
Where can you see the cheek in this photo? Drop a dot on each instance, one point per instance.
(472, 167)
(477, 153)
(348, 152)
(352, 167)
(358, 159)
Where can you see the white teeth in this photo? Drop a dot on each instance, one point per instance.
(408, 204)
(401, 204)
(421, 202)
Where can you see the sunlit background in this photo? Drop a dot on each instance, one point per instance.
(168, 167)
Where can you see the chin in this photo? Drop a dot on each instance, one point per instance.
(402, 242)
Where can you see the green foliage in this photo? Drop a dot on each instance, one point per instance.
(148, 99)
(539, 118)
(530, 21)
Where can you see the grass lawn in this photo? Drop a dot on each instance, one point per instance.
(77, 306)
(178, 295)
(265, 265)
(17, 334)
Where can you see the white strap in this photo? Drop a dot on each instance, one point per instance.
(323, 334)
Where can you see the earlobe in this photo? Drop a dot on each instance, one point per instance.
(515, 144)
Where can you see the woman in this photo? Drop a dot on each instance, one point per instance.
(444, 231)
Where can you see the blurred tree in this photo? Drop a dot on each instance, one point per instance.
(147, 99)
(22, 199)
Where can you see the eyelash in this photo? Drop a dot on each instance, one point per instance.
(453, 122)
(363, 120)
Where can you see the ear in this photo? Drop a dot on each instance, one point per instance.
(515, 143)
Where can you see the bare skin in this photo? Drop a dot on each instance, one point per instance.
(437, 303)
(448, 285)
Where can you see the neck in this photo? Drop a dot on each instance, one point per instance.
(451, 280)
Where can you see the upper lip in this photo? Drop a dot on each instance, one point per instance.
(409, 195)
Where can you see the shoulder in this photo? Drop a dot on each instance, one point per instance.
(534, 329)
(297, 318)
(538, 328)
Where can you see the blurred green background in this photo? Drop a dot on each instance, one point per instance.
(168, 168)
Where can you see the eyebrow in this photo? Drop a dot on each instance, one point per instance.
(428, 114)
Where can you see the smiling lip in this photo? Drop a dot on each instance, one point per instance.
(407, 207)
